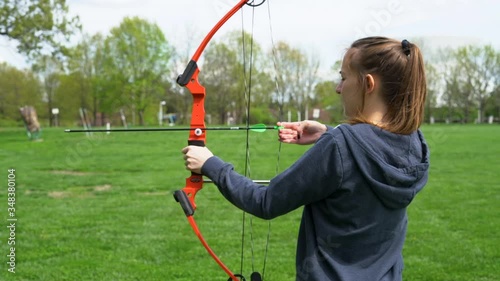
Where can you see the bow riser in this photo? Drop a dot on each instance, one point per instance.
(197, 137)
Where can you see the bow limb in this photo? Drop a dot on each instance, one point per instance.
(197, 136)
(192, 67)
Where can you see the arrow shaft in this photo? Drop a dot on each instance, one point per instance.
(171, 129)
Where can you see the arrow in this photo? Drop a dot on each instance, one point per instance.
(259, 128)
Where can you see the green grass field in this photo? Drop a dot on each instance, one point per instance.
(101, 208)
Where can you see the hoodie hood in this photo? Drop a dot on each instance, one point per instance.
(396, 166)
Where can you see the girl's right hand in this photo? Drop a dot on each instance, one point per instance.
(304, 132)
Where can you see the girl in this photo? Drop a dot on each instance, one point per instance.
(358, 178)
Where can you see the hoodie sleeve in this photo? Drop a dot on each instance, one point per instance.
(316, 175)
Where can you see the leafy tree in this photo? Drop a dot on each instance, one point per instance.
(433, 78)
(37, 24)
(221, 74)
(18, 88)
(49, 68)
(480, 67)
(253, 72)
(65, 97)
(234, 69)
(457, 96)
(297, 75)
(326, 99)
(493, 103)
(494, 100)
(137, 57)
(87, 62)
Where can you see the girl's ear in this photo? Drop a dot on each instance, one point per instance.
(370, 83)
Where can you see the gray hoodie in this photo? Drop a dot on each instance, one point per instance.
(355, 183)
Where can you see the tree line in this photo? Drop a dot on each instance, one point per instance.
(132, 70)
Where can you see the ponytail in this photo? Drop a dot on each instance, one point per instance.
(400, 67)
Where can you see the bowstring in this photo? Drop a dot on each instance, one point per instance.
(248, 89)
(248, 93)
(280, 118)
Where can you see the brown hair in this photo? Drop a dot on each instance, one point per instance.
(400, 67)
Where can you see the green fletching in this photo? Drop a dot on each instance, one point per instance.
(260, 128)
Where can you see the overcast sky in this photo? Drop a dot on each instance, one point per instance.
(322, 27)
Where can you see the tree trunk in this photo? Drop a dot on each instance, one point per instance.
(466, 113)
(51, 118)
(94, 111)
(141, 117)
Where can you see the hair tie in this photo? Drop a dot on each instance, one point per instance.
(406, 47)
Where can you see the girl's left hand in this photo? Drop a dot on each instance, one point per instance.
(195, 157)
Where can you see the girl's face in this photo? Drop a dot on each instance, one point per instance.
(350, 88)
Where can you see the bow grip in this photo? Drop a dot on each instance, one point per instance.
(196, 142)
(193, 184)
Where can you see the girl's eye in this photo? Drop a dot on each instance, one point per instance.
(342, 78)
